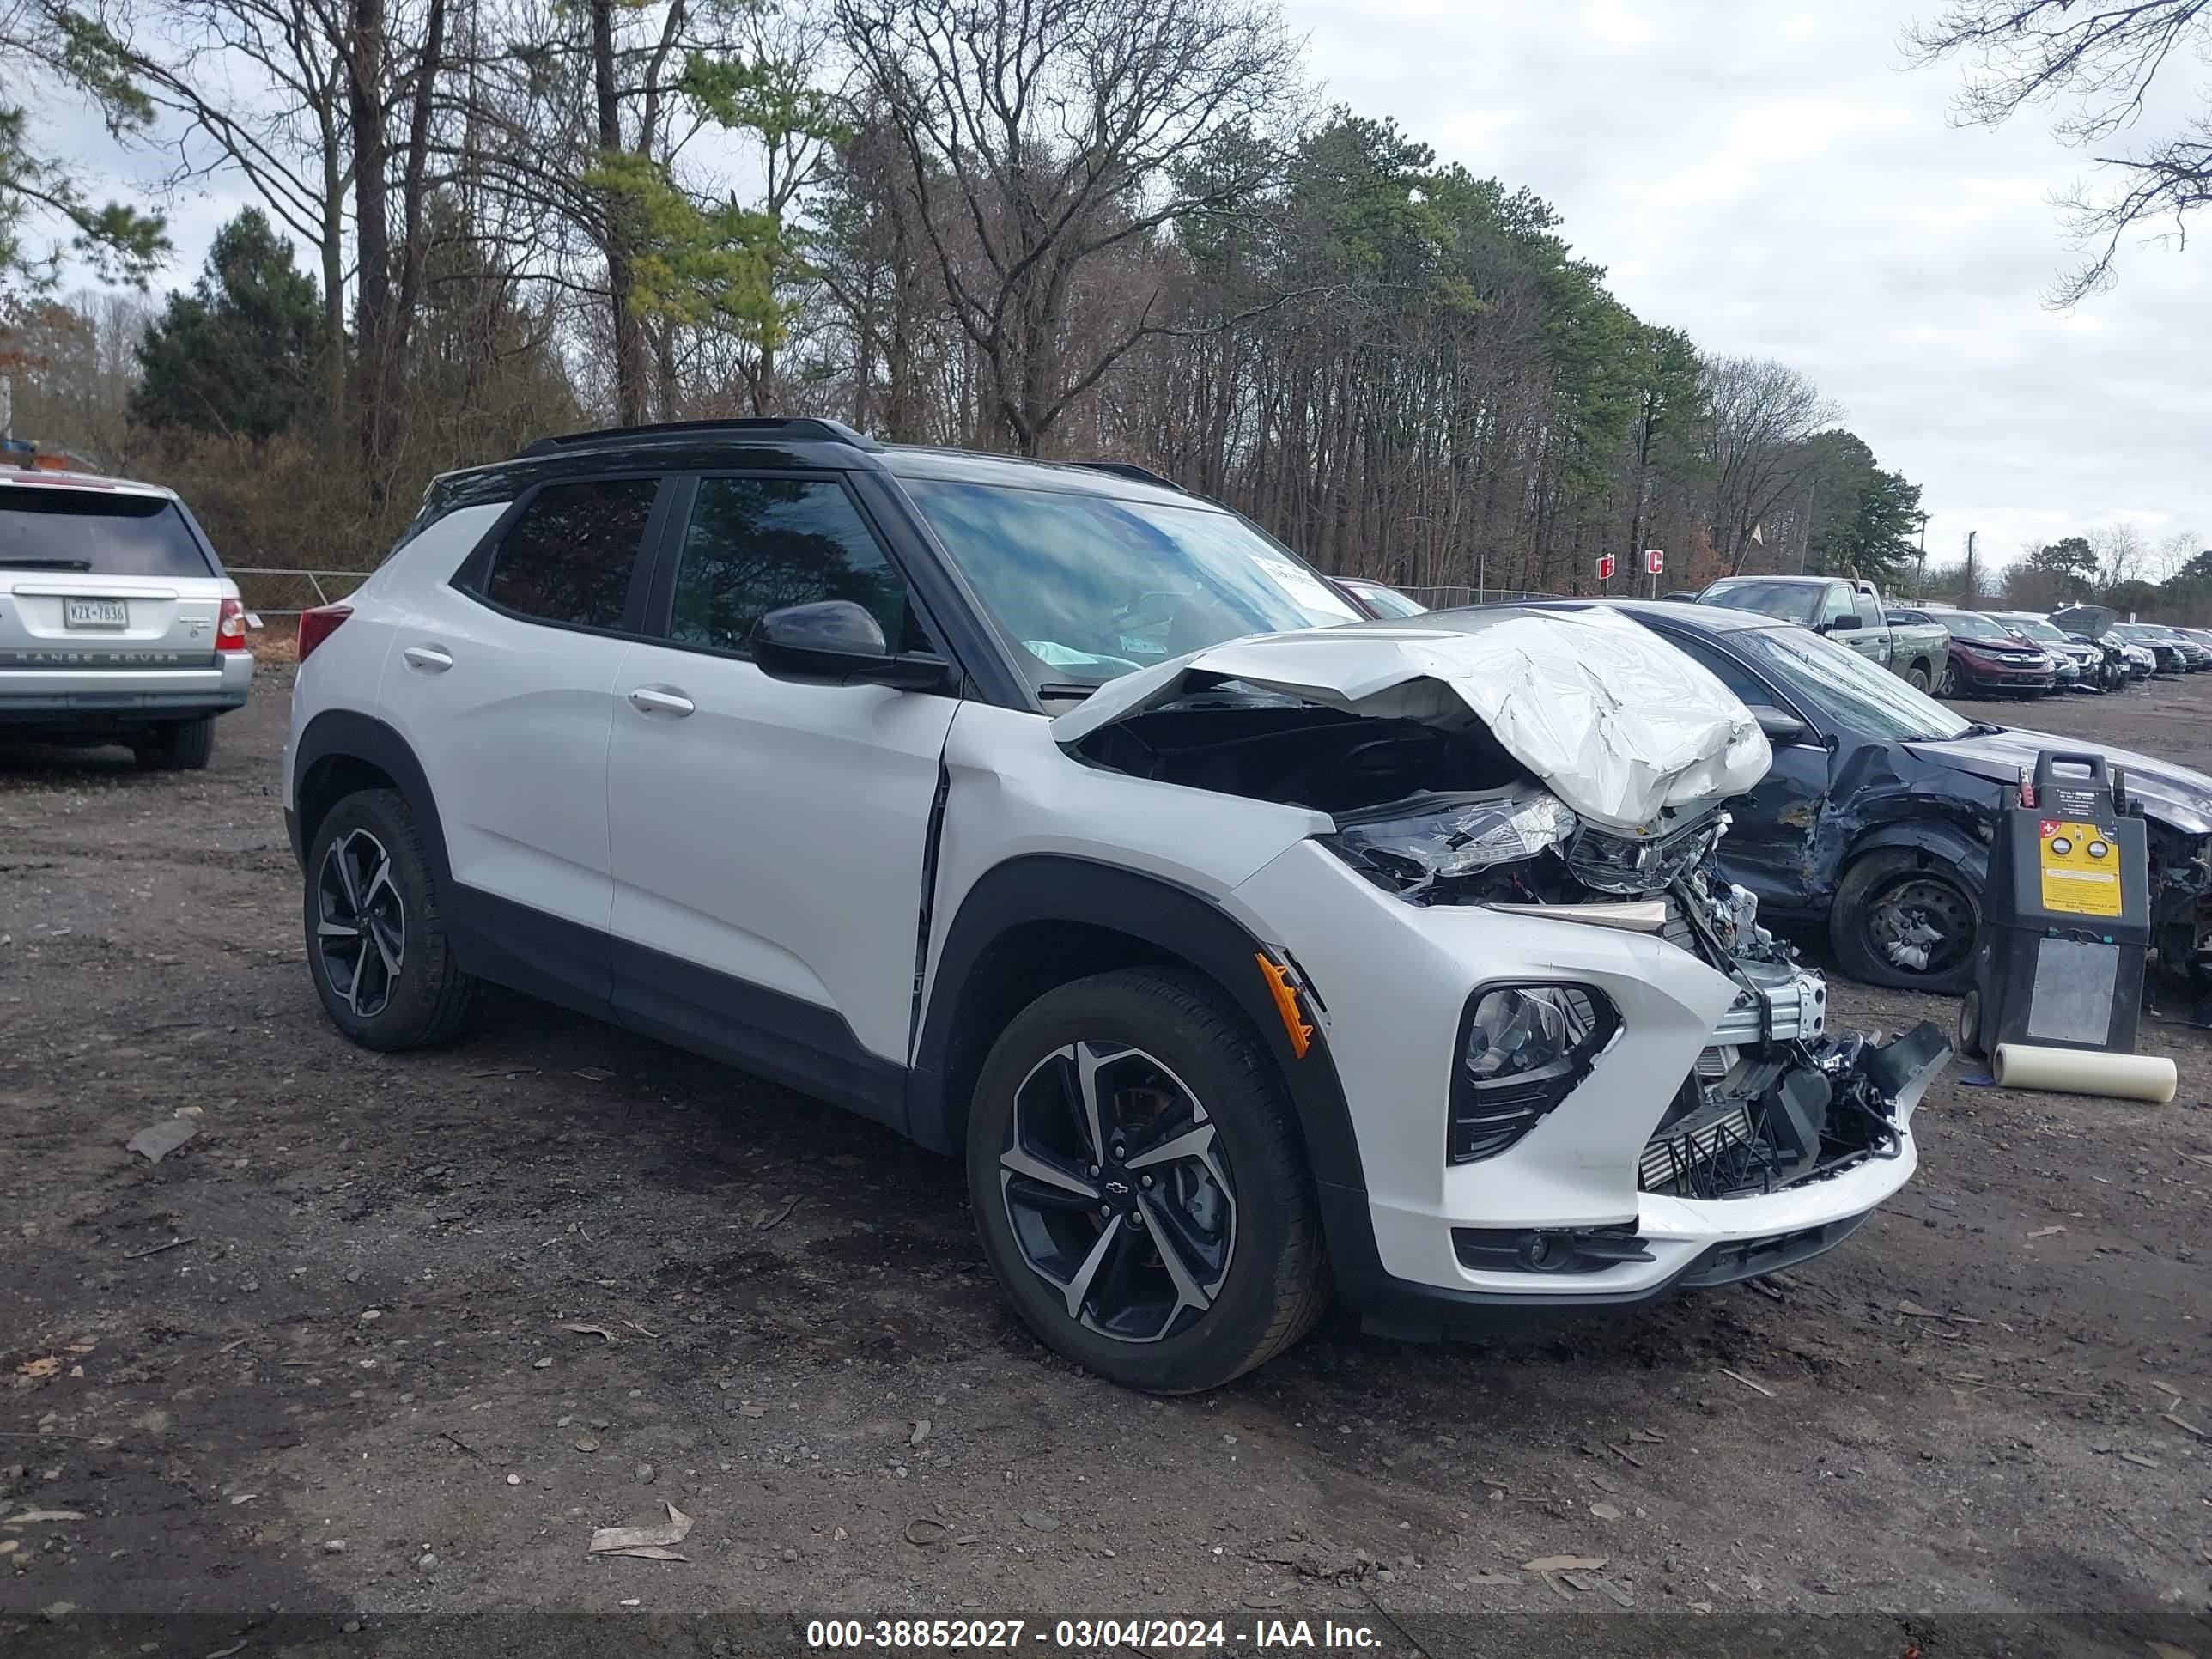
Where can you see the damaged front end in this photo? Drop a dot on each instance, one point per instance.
(1773, 1101)
(1566, 765)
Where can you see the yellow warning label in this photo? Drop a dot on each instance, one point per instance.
(2081, 869)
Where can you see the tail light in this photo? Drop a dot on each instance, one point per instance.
(318, 624)
(230, 627)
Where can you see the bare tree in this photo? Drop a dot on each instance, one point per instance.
(1762, 412)
(1044, 137)
(2099, 61)
(256, 87)
(2123, 554)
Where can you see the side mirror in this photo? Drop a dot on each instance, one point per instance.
(837, 642)
(1850, 624)
(1783, 731)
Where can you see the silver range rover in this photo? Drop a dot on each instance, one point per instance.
(117, 622)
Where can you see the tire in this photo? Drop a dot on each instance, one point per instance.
(369, 882)
(179, 746)
(1970, 1024)
(1949, 685)
(1887, 893)
(1165, 1058)
(1916, 676)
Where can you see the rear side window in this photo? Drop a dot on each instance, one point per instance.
(755, 545)
(86, 530)
(569, 557)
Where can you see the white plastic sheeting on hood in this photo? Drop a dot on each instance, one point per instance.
(1617, 723)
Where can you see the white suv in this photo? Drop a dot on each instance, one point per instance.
(1048, 815)
(117, 622)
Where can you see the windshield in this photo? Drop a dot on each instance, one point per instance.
(2142, 631)
(1789, 601)
(1087, 588)
(107, 533)
(1973, 625)
(1849, 690)
(2042, 630)
(1389, 602)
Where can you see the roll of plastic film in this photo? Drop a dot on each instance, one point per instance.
(2084, 1071)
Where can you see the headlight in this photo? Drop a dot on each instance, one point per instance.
(1440, 836)
(1523, 1050)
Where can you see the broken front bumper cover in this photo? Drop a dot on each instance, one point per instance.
(1673, 1244)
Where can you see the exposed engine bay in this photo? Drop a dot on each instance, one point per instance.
(1445, 815)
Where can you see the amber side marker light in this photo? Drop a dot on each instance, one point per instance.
(1286, 1003)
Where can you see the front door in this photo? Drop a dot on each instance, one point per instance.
(769, 838)
(1769, 845)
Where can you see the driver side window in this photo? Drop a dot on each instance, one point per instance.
(1840, 602)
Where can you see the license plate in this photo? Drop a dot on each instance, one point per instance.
(98, 613)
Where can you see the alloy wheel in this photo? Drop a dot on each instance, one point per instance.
(1117, 1191)
(360, 924)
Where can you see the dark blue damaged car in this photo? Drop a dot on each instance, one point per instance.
(1876, 816)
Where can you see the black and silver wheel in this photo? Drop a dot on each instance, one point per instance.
(1139, 1186)
(1906, 919)
(376, 942)
(361, 922)
(1949, 685)
(1916, 676)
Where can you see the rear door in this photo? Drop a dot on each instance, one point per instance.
(102, 577)
(770, 838)
(503, 681)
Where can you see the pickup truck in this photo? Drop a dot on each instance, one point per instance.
(1849, 611)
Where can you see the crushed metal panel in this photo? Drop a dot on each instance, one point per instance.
(1615, 721)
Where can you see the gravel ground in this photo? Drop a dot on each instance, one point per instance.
(390, 1336)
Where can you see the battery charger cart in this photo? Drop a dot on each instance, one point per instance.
(2066, 915)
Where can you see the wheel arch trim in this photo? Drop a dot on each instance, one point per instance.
(343, 734)
(1052, 888)
(1946, 840)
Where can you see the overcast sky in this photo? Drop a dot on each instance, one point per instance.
(1767, 175)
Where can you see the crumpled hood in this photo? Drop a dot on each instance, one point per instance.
(1615, 721)
(2172, 794)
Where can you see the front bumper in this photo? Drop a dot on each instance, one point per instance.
(1391, 980)
(114, 696)
(1989, 677)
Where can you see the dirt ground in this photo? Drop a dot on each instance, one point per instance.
(390, 1336)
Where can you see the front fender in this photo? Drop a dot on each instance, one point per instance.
(1951, 842)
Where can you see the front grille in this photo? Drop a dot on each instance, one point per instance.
(1703, 1153)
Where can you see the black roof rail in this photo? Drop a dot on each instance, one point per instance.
(793, 429)
(1131, 470)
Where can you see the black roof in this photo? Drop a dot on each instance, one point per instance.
(803, 441)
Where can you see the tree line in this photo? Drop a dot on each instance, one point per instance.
(1071, 228)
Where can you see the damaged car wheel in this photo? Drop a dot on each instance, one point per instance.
(1139, 1184)
(1906, 919)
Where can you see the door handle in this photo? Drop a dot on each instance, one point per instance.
(659, 699)
(430, 659)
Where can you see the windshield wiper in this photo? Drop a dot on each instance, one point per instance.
(45, 564)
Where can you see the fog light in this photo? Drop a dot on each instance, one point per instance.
(1523, 1050)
